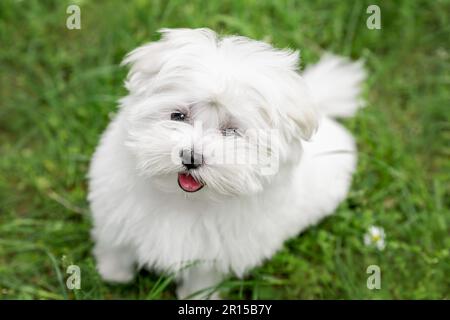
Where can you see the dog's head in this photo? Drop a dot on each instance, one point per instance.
(224, 113)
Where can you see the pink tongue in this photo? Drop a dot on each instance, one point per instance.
(188, 183)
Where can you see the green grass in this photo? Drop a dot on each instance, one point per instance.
(58, 88)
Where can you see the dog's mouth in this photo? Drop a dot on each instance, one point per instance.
(188, 183)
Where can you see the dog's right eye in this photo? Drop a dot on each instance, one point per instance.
(177, 116)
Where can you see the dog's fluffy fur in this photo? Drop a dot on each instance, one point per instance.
(142, 218)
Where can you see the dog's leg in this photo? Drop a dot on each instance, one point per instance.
(115, 264)
(199, 282)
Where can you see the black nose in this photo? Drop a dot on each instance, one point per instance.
(191, 159)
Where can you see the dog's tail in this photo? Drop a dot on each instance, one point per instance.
(335, 84)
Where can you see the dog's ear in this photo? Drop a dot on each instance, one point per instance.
(284, 88)
(297, 106)
(301, 112)
(147, 61)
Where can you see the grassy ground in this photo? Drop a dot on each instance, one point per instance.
(58, 88)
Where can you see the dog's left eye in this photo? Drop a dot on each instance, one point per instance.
(177, 116)
(230, 132)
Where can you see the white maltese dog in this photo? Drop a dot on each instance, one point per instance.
(221, 151)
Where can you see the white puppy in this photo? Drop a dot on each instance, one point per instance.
(220, 152)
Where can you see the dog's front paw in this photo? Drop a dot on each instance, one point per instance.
(184, 292)
(215, 296)
(111, 271)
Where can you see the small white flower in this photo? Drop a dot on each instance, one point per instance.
(375, 237)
